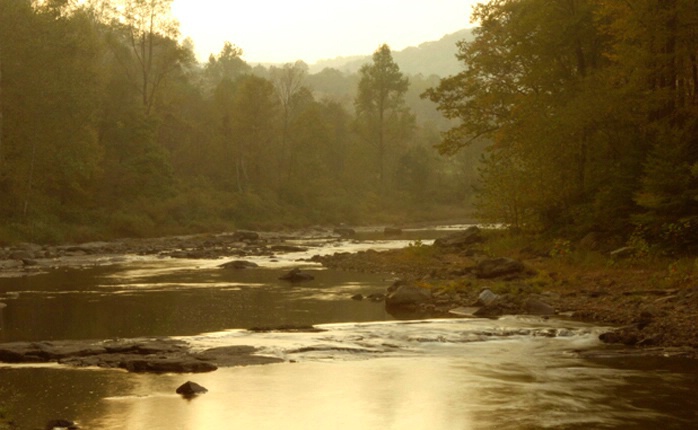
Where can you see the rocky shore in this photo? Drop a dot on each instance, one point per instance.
(457, 276)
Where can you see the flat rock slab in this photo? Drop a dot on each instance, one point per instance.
(134, 355)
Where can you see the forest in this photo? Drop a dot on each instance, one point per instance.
(590, 111)
(110, 127)
(568, 117)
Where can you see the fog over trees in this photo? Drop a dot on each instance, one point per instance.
(584, 112)
(110, 127)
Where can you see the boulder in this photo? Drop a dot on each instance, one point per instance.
(190, 389)
(486, 297)
(407, 295)
(461, 239)
(296, 275)
(496, 267)
(534, 306)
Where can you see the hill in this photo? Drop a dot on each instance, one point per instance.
(429, 58)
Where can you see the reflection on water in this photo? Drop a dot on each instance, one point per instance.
(372, 373)
(518, 374)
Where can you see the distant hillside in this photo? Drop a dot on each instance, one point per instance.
(429, 58)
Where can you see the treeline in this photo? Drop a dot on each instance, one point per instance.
(110, 127)
(590, 110)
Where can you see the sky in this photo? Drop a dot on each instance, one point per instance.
(283, 31)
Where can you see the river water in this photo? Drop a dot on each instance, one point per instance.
(366, 370)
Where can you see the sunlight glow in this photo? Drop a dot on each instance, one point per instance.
(278, 31)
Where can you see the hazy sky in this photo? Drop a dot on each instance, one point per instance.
(309, 30)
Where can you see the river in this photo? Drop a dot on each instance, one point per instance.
(365, 370)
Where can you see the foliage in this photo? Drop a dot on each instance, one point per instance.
(110, 128)
(589, 108)
(382, 118)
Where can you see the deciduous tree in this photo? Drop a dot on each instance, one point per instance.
(381, 114)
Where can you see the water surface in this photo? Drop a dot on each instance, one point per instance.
(365, 371)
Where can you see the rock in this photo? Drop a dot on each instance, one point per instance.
(376, 297)
(245, 235)
(296, 275)
(239, 265)
(61, 424)
(237, 355)
(496, 267)
(345, 232)
(625, 252)
(590, 241)
(288, 248)
(392, 231)
(21, 255)
(183, 364)
(407, 295)
(357, 297)
(460, 239)
(190, 389)
(628, 336)
(534, 306)
(486, 297)
(464, 311)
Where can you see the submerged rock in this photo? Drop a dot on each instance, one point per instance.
(133, 355)
(239, 265)
(296, 275)
(61, 424)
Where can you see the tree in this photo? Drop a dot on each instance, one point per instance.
(254, 110)
(50, 87)
(228, 64)
(531, 87)
(288, 82)
(380, 106)
(151, 34)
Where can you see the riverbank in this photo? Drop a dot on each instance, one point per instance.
(652, 302)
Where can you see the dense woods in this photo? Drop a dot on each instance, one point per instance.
(110, 127)
(589, 110)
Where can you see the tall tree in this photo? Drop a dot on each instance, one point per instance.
(152, 34)
(288, 82)
(530, 87)
(253, 132)
(380, 104)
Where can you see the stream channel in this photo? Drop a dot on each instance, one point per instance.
(366, 370)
